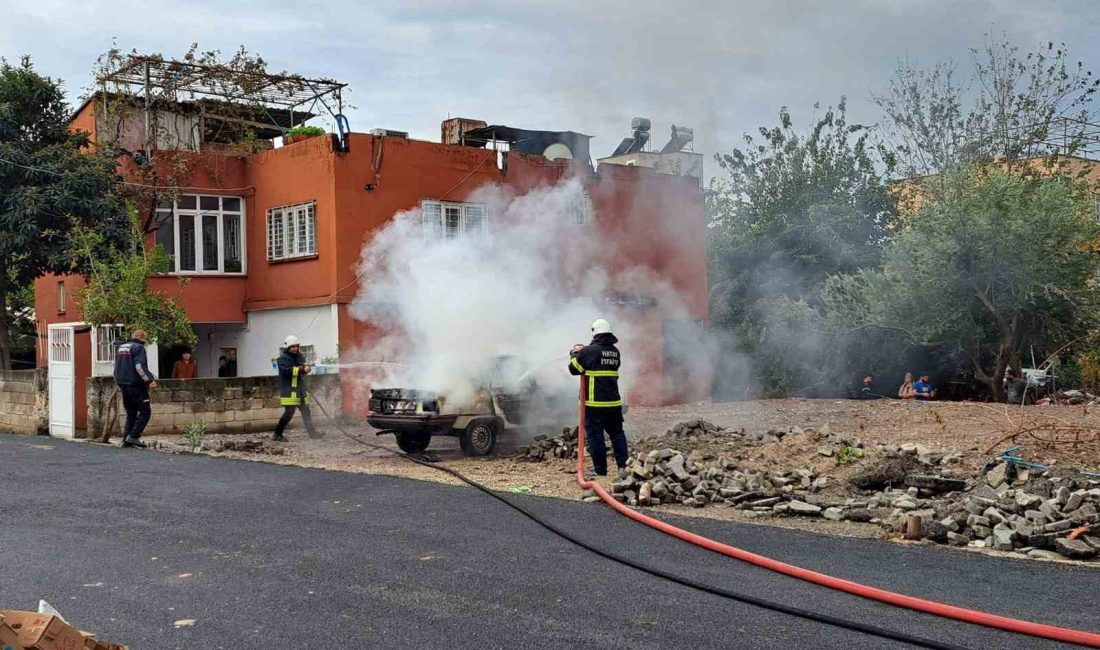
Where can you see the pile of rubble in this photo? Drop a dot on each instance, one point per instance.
(666, 475)
(249, 446)
(546, 447)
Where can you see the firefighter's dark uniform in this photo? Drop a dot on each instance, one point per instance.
(133, 378)
(603, 406)
(292, 392)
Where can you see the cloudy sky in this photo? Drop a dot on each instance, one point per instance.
(586, 65)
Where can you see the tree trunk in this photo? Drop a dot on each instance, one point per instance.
(5, 332)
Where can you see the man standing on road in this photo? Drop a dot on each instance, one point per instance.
(134, 380)
(292, 388)
(603, 406)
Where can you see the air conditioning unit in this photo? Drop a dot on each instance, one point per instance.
(387, 133)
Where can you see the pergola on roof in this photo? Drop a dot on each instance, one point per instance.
(223, 83)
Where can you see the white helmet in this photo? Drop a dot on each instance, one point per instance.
(291, 341)
(601, 326)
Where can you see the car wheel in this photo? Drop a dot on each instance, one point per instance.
(480, 438)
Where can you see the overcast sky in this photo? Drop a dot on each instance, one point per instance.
(585, 65)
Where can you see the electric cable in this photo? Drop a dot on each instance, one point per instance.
(856, 626)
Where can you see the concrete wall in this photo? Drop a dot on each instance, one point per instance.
(237, 405)
(23, 402)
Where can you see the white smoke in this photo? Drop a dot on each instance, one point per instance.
(447, 308)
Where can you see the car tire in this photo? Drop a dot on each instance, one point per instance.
(479, 438)
(413, 443)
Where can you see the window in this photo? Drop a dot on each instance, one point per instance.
(202, 234)
(291, 232)
(108, 338)
(61, 297)
(308, 354)
(449, 220)
(579, 209)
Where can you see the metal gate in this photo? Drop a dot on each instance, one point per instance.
(62, 380)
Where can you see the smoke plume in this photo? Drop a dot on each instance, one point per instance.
(529, 287)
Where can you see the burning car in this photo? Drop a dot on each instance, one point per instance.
(503, 405)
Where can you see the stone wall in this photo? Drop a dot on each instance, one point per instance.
(24, 405)
(233, 405)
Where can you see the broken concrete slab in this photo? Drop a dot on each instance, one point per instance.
(1075, 549)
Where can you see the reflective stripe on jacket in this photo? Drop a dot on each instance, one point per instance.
(599, 363)
(292, 381)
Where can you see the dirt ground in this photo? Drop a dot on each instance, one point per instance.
(968, 428)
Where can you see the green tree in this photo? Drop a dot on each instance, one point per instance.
(117, 292)
(1000, 263)
(1009, 107)
(50, 183)
(793, 209)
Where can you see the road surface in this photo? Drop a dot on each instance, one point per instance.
(126, 542)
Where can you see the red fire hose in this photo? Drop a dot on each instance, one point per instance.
(1062, 634)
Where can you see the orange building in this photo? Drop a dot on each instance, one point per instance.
(270, 241)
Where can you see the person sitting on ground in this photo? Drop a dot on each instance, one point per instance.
(867, 390)
(907, 391)
(924, 389)
(1015, 387)
(185, 367)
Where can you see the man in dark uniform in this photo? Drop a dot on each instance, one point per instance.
(603, 405)
(292, 388)
(134, 380)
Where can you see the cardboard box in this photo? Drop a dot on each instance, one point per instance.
(42, 631)
(9, 640)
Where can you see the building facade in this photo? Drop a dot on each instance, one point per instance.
(270, 241)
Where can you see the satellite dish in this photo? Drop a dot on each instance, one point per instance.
(558, 151)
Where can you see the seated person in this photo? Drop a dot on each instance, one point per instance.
(907, 391)
(867, 390)
(923, 389)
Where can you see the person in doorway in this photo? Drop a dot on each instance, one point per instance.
(185, 367)
(223, 366)
(599, 363)
(134, 381)
(907, 391)
(293, 394)
(231, 363)
(923, 389)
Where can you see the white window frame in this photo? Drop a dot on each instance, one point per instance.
(292, 221)
(434, 219)
(579, 210)
(108, 338)
(197, 214)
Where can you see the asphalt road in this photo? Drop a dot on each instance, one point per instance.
(126, 542)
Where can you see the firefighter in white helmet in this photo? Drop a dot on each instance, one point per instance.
(603, 405)
(292, 387)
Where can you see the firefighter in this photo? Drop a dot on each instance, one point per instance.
(292, 388)
(134, 381)
(603, 406)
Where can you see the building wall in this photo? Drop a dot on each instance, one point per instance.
(297, 173)
(238, 405)
(23, 402)
(259, 343)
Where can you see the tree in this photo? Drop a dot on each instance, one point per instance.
(794, 209)
(1000, 263)
(117, 292)
(50, 183)
(1010, 108)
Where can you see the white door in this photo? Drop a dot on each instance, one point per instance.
(62, 381)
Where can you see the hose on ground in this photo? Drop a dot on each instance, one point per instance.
(977, 617)
(855, 626)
